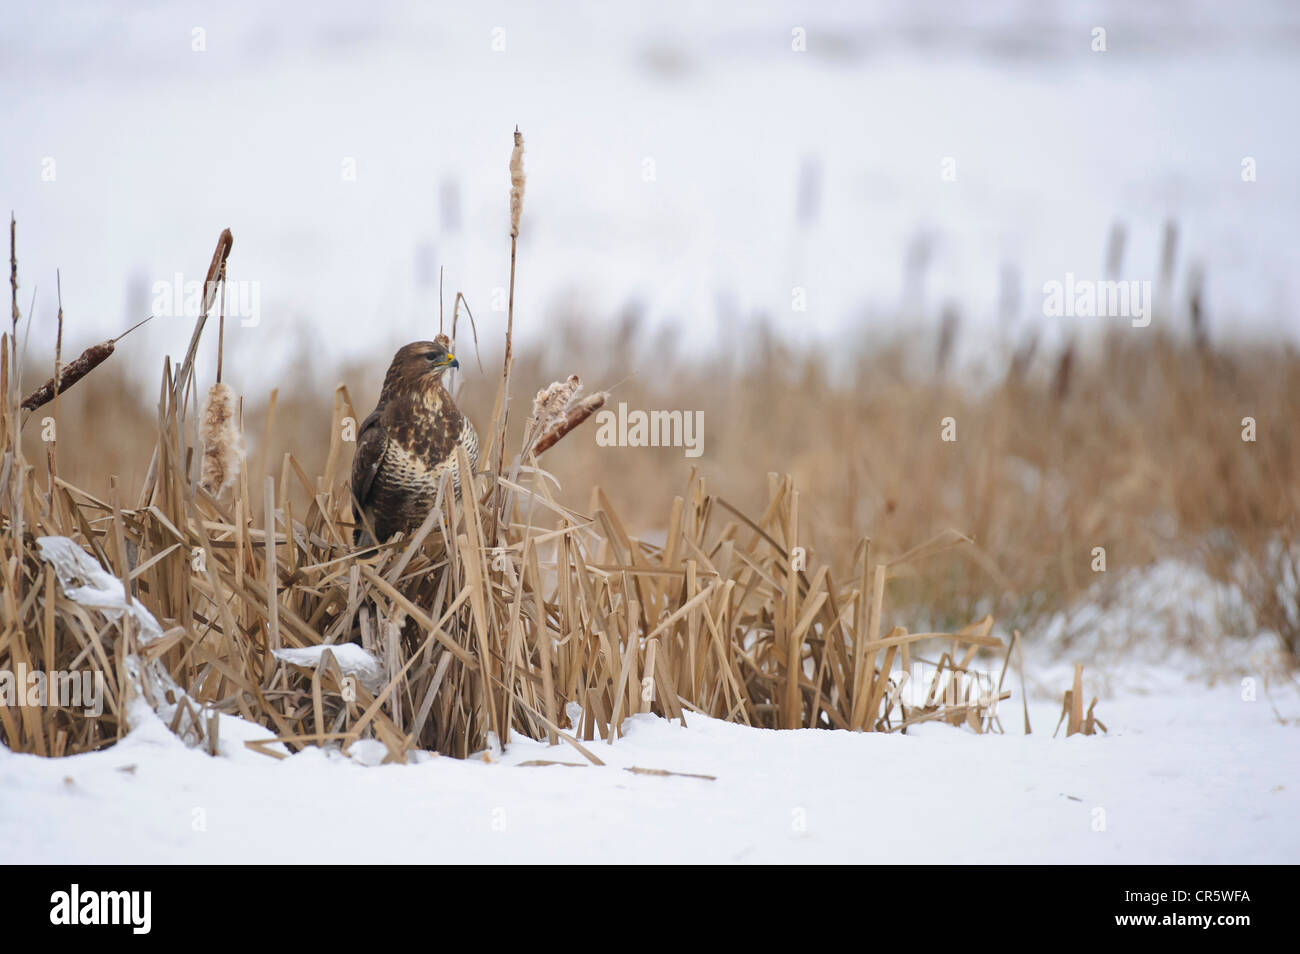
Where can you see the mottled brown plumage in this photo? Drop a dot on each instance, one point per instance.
(409, 441)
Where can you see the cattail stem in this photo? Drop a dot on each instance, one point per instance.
(221, 323)
(509, 360)
(517, 182)
(58, 338)
(219, 256)
(13, 270)
(52, 447)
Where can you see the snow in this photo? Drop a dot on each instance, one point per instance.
(1186, 773)
(84, 581)
(352, 660)
(1164, 625)
(1194, 777)
(149, 711)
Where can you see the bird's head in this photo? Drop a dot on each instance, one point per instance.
(420, 362)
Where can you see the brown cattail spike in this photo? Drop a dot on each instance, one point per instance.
(517, 182)
(70, 374)
(73, 372)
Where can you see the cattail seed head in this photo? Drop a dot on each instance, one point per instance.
(223, 445)
(574, 414)
(69, 375)
(552, 401)
(516, 183)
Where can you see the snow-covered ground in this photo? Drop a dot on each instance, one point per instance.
(1186, 777)
(1161, 627)
(1200, 763)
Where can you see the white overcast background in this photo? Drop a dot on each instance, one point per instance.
(157, 147)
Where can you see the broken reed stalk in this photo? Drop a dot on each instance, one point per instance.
(225, 241)
(1077, 721)
(179, 381)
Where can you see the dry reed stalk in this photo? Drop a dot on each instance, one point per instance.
(216, 268)
(1064, 373)
(13, 273)
(180, 382)
(52, 446)
(501, 413)
(1076, 720)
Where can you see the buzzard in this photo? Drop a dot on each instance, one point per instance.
(408, 442)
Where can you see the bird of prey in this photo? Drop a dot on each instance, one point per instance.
(408, 442)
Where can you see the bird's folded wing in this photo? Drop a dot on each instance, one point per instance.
(371, 444)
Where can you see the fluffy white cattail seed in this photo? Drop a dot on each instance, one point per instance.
(223, 445)
(552, 401)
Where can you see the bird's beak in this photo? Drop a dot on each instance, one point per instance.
(449, 362)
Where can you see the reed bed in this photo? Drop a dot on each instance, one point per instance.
(559, 627)
(508, 612)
